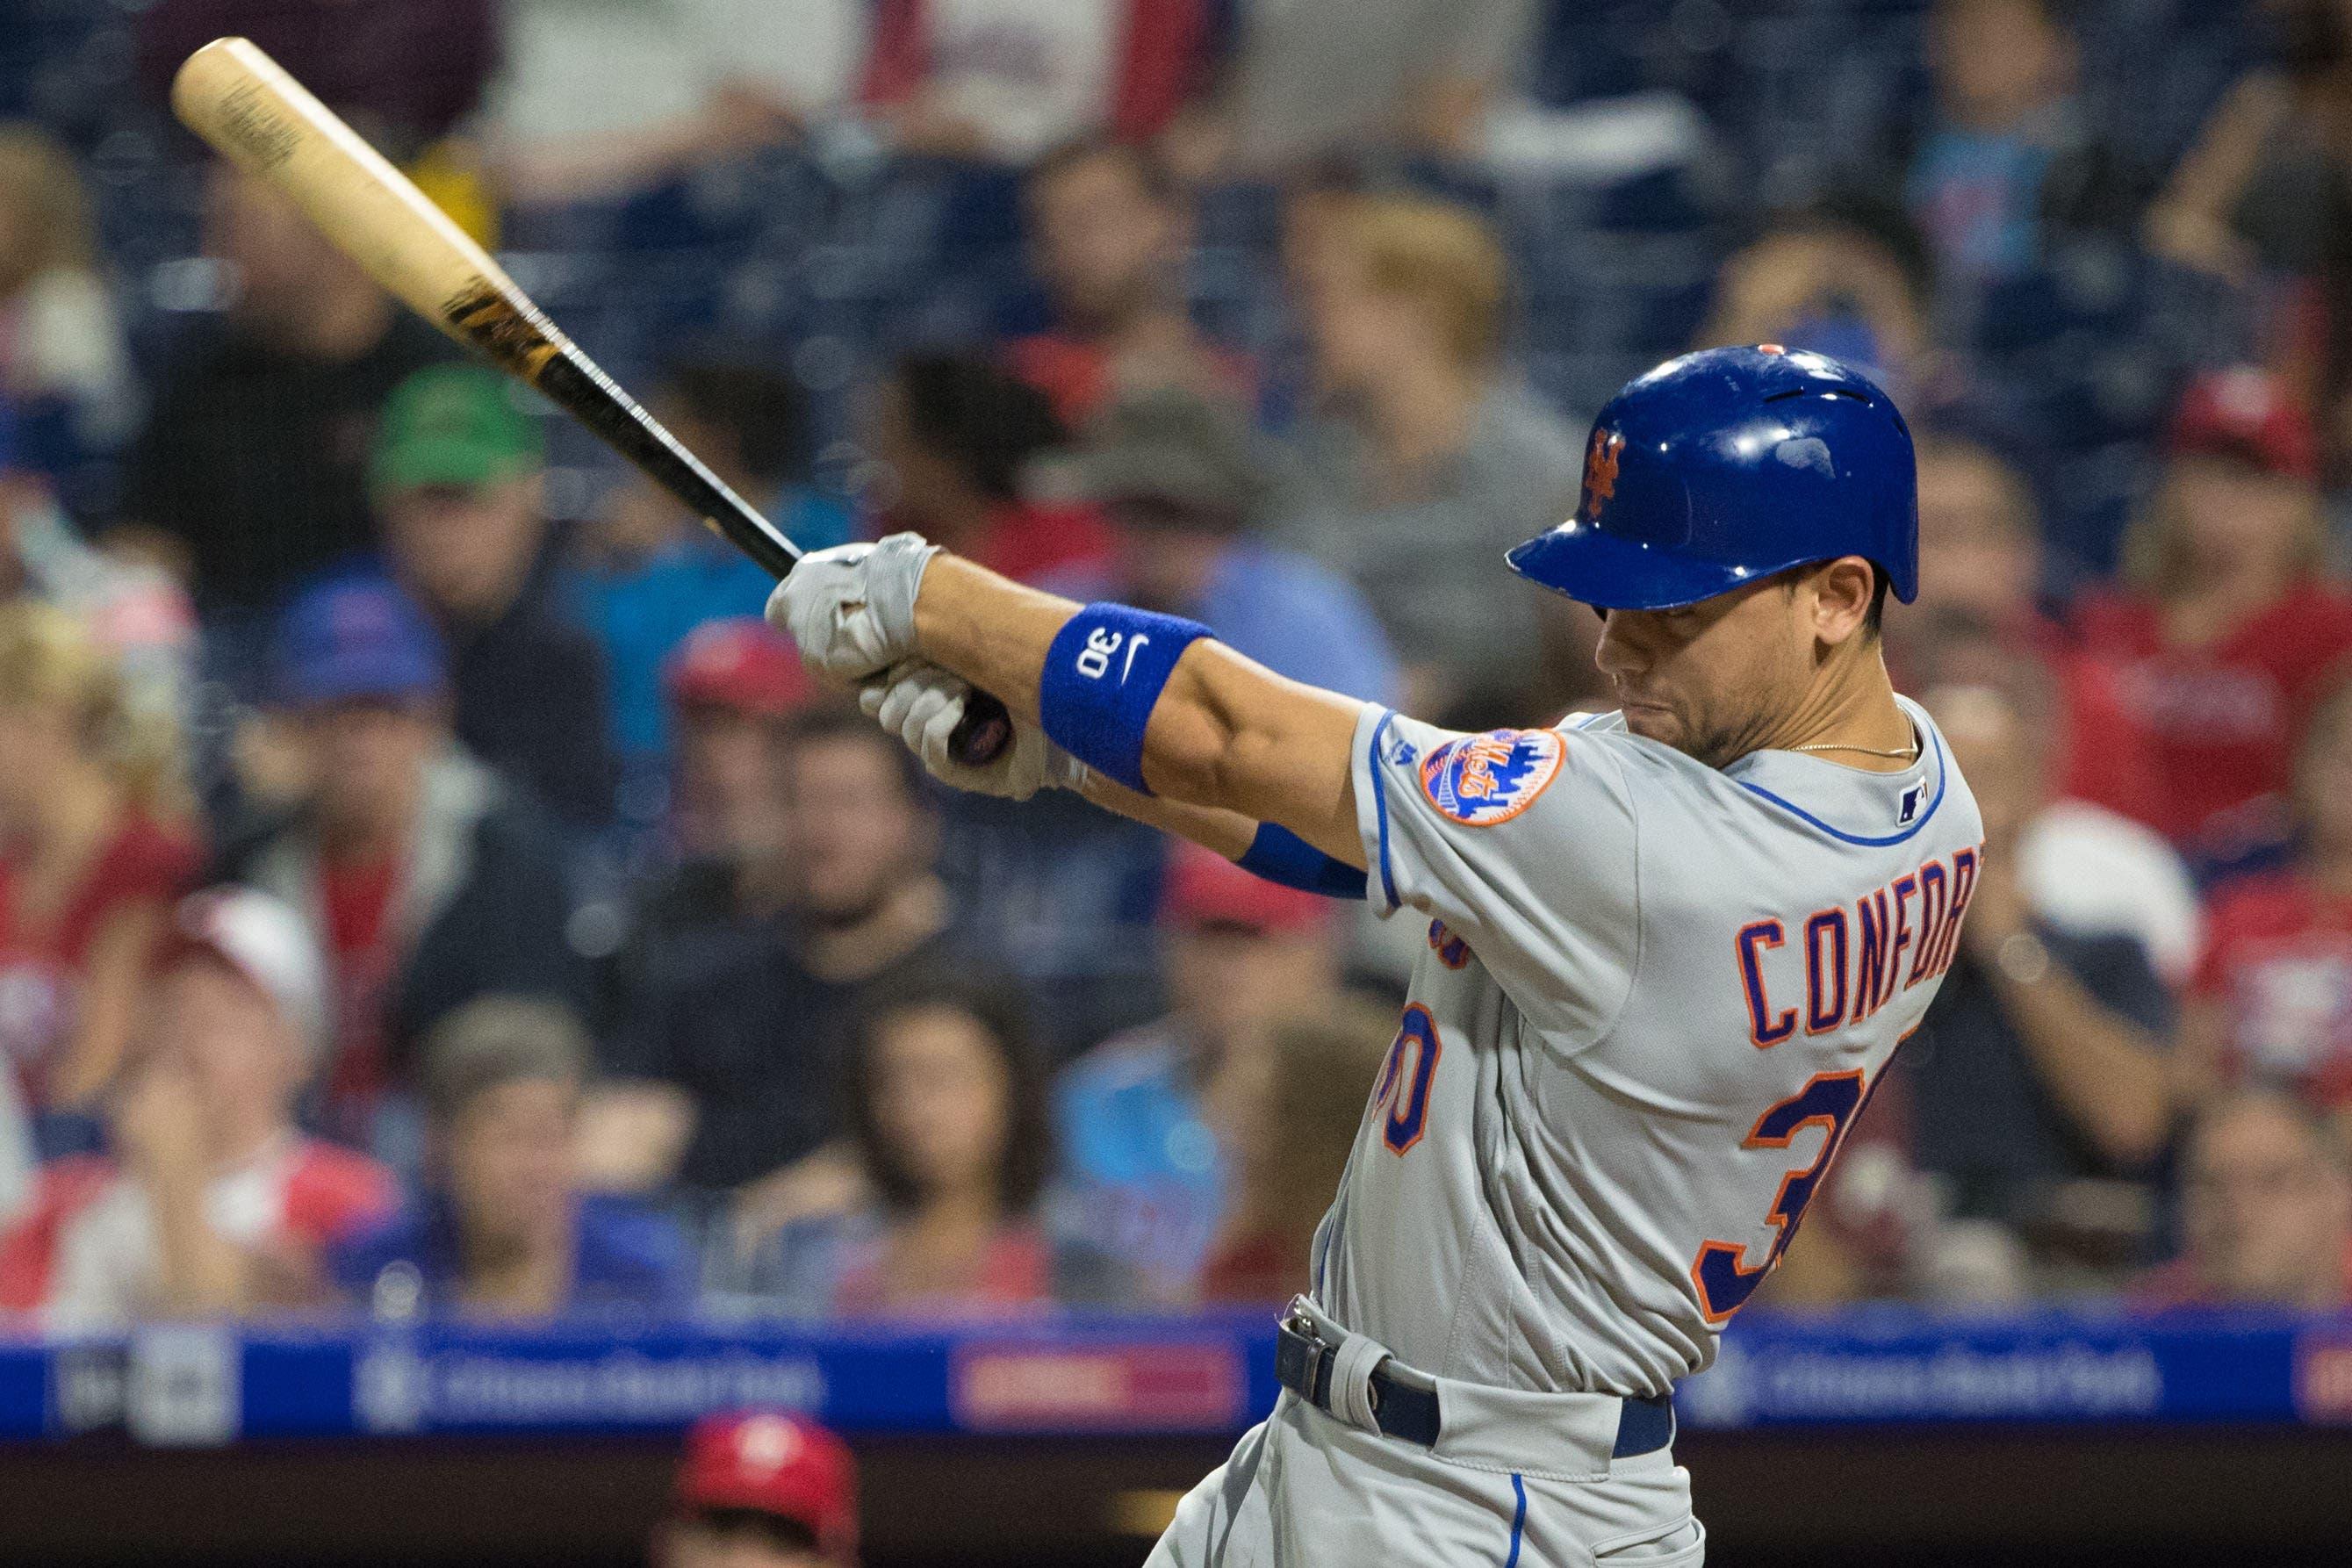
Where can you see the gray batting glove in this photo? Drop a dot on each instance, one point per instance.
(852, 608)
(922, 704)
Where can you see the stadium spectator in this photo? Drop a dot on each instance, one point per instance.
(948, 1116)
(730, 686)
(1179, 477)
(602, 102)
(430, 881)
(213, 1203)
(2089, 862)
(960, 436)
(133, 608)
(648, 572)
(2267, 1211)
(2263, 201)
(458, 480)
(1289, 1147)
(416, 70)
(251, 471)
(761, 1491)
(1145, 1121)
(734, 685)
(503, 1230)
(743, 1017)
(1311, 81)
(94, 821)
(1427, 460)
(16, 1160)
(1006, 79)
(61, 350)
(1849, 277)
(2229, 631)
(1110, 233)
(1981, 182)
(2272, 998)
(2038, 1080)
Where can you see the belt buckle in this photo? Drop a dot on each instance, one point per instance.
(1302, 1359)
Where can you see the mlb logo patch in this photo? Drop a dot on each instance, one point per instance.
(1908, 812)
(1481, 780)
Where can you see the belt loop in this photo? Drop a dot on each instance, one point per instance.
(1351, 1380)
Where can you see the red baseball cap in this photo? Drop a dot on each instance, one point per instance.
(767, 1462)
(2246, 414)
(740, 663)
(1204, 888)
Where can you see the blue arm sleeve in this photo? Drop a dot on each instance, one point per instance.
(1280, 855)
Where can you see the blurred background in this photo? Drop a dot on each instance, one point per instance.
(470, 1009)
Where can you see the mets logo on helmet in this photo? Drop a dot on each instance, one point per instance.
(1481, 780)
(1601, 471)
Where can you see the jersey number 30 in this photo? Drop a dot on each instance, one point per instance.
(1724, 1276)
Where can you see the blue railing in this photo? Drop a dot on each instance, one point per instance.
(203, 1385)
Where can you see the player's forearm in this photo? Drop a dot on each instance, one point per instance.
(1228, 833)
(1226, 736)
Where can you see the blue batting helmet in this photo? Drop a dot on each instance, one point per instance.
(1728, 465)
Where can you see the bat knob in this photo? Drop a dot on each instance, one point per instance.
(986, 729)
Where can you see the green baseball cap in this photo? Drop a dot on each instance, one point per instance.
(452, 425)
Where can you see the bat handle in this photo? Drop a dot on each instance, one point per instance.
(986, 729)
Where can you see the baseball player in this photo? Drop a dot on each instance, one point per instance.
(1670, 950)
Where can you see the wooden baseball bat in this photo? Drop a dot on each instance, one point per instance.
(244, 104)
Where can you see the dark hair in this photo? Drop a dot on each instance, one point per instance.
(761, 410)
(1876, 219)
(980, 416)
(827, 721)
(1151, 174)
(1027, 1158)
(1877, 613)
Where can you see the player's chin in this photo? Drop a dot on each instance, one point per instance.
(1653, 723)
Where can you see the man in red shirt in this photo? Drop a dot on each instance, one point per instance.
(212, 1203)
(763, 1492)
(2273, 996)
(1108, 234)
(2231, 631)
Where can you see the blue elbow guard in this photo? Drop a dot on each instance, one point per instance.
(1102, 675)
(1280, 855)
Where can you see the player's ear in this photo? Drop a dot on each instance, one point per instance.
(1841, 591)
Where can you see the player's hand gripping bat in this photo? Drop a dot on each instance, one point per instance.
(239, 99)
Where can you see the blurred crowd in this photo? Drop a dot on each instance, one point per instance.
(426, 886)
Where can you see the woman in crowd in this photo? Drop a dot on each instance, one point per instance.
(2272, 1002)
(2229, 629)
(94, 843)
(948, 1114)
(61, 351)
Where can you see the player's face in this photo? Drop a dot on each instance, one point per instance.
(1714, 678)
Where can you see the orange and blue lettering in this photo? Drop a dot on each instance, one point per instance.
(1933, 893)
(1825, 978)
(1870, 980)
(1764, 1029)
(1907, 887)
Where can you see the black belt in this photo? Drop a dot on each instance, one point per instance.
(1302, 1362)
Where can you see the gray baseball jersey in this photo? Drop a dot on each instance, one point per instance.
(1656, 995)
